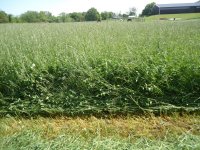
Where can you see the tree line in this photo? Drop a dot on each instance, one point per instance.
(46, 16)
(91, 15)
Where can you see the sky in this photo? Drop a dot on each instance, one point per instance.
(17, 7)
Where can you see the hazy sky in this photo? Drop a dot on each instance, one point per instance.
(16, 7)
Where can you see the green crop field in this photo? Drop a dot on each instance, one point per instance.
(99, 68)
(88, 79)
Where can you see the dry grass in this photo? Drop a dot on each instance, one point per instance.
(122, 127)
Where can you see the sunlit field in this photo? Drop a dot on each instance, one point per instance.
(99, 68)
(89, 79)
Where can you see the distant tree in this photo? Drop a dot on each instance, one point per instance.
(49, 16)
(106, 15)
(132, 11)
(64, 17)
(10, 18)
(125, 16)
(44, 16)
(3, 17)
(34, 16)
(30, 16)
(111, 14)
(16, 19)
(120, 15)
(77, 17)
(54, 19)
(83, 16)
(149, 9)
(92, 15)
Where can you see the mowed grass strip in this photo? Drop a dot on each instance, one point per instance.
(124, 127)
(176, 132)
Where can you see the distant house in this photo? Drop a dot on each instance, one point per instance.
(130, 18)
(177, 8)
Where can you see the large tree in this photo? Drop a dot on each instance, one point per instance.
(3, 17)
(149, 9)
(92, 15)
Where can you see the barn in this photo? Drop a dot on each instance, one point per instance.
(177, 8)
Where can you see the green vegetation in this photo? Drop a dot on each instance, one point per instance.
(46, 16)
(4, 18)
(31, 140)
(92, 15)
(181, 16)
(107, 68)
(106, 15)
(149, 9)
(91, 133)
(33, 16)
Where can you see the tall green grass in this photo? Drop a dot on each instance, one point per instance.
(99, 68)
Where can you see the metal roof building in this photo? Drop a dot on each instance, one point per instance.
(177, 8)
